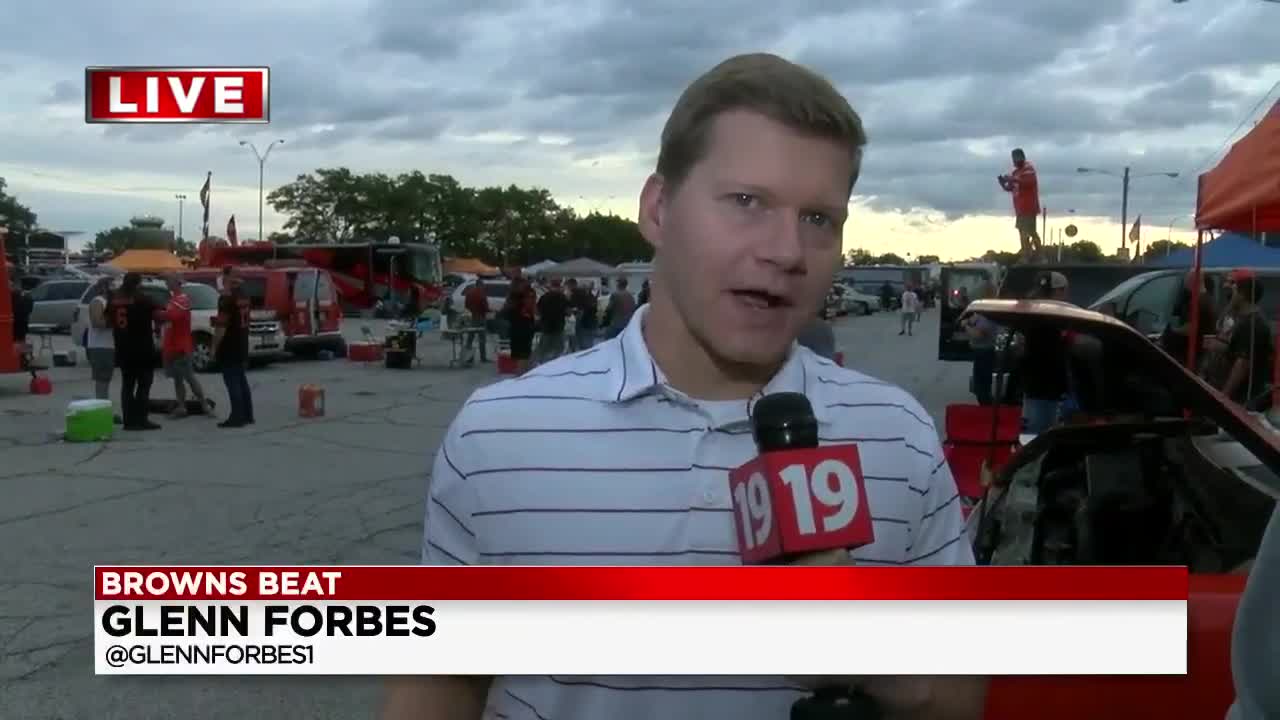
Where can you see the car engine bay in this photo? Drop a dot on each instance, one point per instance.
(1121, 493)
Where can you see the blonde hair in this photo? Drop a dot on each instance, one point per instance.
(779, 89)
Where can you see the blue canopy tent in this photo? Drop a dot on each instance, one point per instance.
(1226, 250)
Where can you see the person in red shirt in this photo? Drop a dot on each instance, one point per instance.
(177, 347)
(1025, 188)
(476, 299)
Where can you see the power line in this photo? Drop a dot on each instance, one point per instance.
(1204, 164)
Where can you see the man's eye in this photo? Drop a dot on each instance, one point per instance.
(816, 218)
(745, 200)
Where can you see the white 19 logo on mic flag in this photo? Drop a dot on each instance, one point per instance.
(755, 511)
(800, 501)
(816, 487)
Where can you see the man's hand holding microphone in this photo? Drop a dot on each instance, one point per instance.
(801, 504)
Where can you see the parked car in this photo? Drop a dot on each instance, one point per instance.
(858, 303)
(496, 289)
(1146, 301)
(303, 301)
(1166, 471)
(55, 302)
(266, 339)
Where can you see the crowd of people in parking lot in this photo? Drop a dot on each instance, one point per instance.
(542, 319)
(122, 333)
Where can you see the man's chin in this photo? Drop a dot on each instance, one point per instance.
(744, 353)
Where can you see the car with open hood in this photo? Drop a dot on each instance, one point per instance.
(1157, 468)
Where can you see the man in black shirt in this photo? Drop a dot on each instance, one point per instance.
(1175, 339)
(553, 310)
(132, 317)
(1044, 364)
(1250, 350)
(588, 320)
(231, 351)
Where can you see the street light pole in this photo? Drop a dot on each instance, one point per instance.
(180, 197)
(1124, 196)
(262, 161)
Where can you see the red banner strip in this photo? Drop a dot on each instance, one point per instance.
(496, 582)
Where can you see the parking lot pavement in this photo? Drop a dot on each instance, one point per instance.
(343, 489)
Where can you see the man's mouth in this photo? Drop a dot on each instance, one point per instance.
(762, 299)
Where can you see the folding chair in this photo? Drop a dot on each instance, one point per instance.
(979, 435)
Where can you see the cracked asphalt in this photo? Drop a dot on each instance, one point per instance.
(343, 489)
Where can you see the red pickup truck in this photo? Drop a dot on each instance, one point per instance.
(1162, 470)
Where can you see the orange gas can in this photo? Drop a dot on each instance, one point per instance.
(310, 401)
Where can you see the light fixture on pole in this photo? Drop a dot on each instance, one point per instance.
(262, 161)
(1124, 195)
(180, 197)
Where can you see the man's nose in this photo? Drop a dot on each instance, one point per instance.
(783, 242)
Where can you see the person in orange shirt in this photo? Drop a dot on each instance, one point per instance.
(177, 347)
(1025, 188)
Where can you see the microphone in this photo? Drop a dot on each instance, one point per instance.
(797, 499)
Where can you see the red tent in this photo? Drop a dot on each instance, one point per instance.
(1242, 193)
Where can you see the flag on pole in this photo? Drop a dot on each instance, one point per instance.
(231, 232)
(204, 201)
(1135, 237)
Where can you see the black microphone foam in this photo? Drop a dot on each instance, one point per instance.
(784, 421)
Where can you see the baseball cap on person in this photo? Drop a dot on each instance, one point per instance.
(1242, 274)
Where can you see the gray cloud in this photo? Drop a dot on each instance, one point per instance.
(946, 87)
(65, 91)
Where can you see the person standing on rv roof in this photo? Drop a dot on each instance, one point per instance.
(1023, 184)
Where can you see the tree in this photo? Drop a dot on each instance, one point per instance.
(17, 217)
(325, 207)
(1083, 251)
(1160, 248)
(115, 241)
(500, 225)
(927, 259)
(889, 259)
(858, 256)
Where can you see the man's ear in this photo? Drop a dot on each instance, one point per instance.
(652, 208)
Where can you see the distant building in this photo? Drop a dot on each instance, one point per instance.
(149, 233)
(39, 248)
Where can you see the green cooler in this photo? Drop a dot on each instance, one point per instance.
(90, 421)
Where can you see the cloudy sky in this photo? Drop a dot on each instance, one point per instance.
(571, 96)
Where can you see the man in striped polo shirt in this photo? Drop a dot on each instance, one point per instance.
(620, 454)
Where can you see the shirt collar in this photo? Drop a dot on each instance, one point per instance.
(637, 375)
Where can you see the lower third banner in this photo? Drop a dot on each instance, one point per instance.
(639, 620)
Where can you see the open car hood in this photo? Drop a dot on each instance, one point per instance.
(1253, 432)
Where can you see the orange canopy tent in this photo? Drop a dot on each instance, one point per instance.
(1242, 193)
(471, 266)
(147, 261)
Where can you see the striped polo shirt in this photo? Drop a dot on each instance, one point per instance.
(594, 459)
